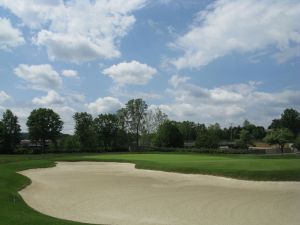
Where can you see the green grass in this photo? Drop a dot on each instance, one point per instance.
(249, 167)
(14, 211)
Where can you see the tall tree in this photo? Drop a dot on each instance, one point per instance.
(207, 139)
(280, 137)
(1, 137)
(135, 114)
(188, 130)
(254, 132)
(10, 131)
(276, 124)
(168, 135)
(44, 124)
(106, 127)
(246, 138)
(291, 119)
(85, 131)
(297, 142)
(153, 119)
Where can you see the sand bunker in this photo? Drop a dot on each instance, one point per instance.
(119, 194)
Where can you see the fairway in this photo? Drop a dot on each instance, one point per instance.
(14, 211)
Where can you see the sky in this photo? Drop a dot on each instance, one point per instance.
(207, 61)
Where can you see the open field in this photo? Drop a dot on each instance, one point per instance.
(14, 211)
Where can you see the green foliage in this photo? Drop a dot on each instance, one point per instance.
(290, 119)
(85, 131)
(276, 124)
(188, 129)
(106, 127)
(44, 124)
(133, 115)
(215, 129)
(70, 143)
(253, 132)
(297, 142)
(10, 132)
(208, 139)
(246, 138)
(280, 137)
(168, 135)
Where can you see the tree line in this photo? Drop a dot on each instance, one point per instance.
(134, 126)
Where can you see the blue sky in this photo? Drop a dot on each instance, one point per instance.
(207, 61)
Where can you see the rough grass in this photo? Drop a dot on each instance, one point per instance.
(14, 211)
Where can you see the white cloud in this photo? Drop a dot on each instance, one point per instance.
(40, 77)
(104, 105)
(4, 97)
(70, 73)
(10, 37)
(77, 30)
(242, 26)
(52, 98)
(76, 98)
(130, 73)
(228, 103)
(124, 92)
(175, 80)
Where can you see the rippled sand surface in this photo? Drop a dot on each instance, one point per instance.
(119, 194)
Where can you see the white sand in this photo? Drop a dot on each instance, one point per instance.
(119, 194)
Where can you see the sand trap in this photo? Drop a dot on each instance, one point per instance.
(119, 194)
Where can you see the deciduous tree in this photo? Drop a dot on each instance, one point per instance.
(168, 135)
(10, 132)
(44, 124)
(106, 127)
(280, 137)
(135, 112)
(85, 131)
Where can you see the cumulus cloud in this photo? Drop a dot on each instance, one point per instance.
(4, 97)
(77, 30)
(40, 77)
(241, 26)
(104, 105)
(70, 73)
(175, 80)
(52, 98)
(132, 72)
(10, 37)
(228, 103)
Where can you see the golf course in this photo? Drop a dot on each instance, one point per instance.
(149, 188)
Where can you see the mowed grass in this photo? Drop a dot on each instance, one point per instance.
(14, 211)
(248, 167)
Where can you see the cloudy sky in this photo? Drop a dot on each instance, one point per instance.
(202, 60)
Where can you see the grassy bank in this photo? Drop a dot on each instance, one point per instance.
(14, 211)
